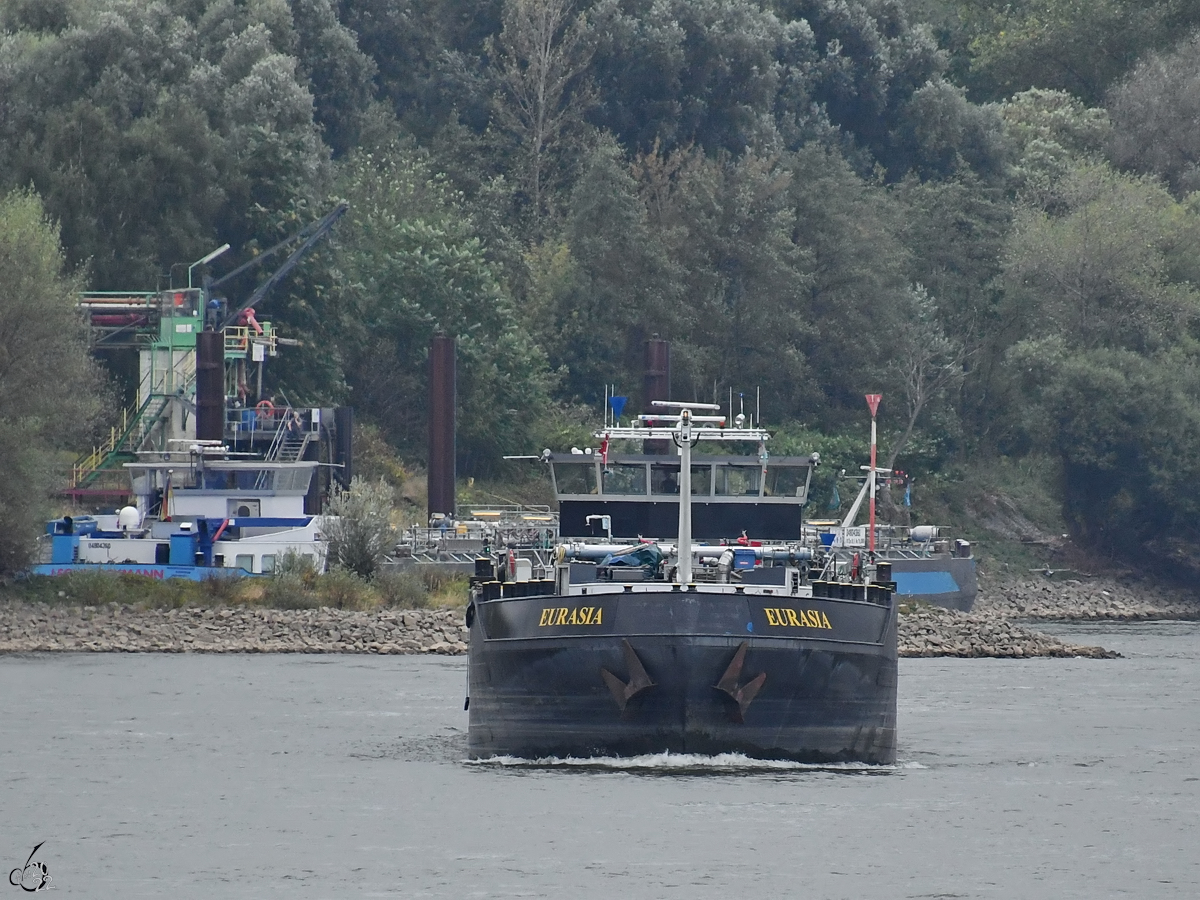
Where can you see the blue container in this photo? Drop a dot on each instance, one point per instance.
(64, 548)
(183, 548)
(743, 558)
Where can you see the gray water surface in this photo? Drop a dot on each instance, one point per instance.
(330, 776)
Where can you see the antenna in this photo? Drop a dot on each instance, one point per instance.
(671, 404)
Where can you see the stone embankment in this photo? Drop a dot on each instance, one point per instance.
(236, 629)
(998, 626)
(1088, 599)
(933, 631)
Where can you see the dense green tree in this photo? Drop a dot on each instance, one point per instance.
(1156, 117)
(730, 228)
(1082, 48)
(857, 280)
(1127, 427)
(941, 135)
(411, 266)
(604, 285)
(871, 60)
(1051, 134)
(955, 231)
(153, 136)
(51, 393)
(927, 364)
(1096, 271)
(339, 74)
(724, 74)
(428, 57)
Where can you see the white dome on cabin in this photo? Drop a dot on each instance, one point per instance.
(128, 518)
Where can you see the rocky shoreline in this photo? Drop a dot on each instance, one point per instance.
(999, 626)
(35, 628)
(932, 631)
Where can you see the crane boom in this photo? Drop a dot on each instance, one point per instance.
(311, 234)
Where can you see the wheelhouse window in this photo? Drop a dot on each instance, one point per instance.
(786, 481)
(701, 481)
(738, 480)
(664, 479)
(575, 478)
(625, 478)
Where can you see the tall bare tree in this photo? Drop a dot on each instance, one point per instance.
(928, 364)
(539, 58)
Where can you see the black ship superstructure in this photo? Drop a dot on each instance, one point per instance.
(682, 614)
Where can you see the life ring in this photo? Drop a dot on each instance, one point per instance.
(266, 409)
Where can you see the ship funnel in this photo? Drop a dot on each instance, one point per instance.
(442, 402)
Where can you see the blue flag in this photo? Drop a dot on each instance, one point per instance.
(835, 499)
(617, 404)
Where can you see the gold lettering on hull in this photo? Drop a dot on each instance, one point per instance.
(571, 615)
(796, 618)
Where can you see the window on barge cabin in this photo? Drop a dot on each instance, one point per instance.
(786, 481)
(625, 478)
(664, 479)
(575, 478)
(738, 480)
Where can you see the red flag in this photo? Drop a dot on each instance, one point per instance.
(873, 402)
(604, 451)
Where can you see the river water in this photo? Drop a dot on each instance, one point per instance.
(266, 776)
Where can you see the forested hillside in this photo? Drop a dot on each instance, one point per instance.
(983, 210)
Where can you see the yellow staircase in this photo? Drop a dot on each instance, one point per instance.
(123, 441)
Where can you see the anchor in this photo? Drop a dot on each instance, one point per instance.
(742, 696)
(639, 681)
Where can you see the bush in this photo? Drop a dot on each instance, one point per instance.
(403, 590)
(359, 528)
(289, 591)
(299, 564)
(343, 589)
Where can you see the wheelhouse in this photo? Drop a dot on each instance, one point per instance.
(640, 495)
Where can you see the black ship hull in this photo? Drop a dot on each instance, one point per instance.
(625, 673)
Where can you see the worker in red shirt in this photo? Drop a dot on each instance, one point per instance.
(246, 320)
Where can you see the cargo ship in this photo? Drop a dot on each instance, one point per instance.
(682, 611)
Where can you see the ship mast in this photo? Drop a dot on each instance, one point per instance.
(685, 435)
(684, 442)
